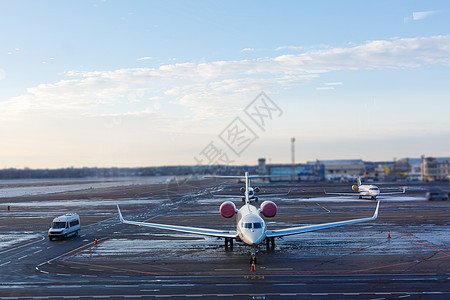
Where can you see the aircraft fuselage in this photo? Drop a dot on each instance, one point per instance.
(250, 226)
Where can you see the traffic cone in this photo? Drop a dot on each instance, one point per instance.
(389, 235)
(253, 267)
(95, 241)
(9, 208)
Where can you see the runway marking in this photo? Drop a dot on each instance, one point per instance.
(279, 269)
(22, 244)
(227, 269)
(427, 245)
(328, 211)
(4, 264)
(121, 285)
(37, 251)
(22, 257)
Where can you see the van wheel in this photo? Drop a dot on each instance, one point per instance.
(65, 236)
(77, 233)
(50, 238)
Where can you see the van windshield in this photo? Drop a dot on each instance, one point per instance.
(58, 224)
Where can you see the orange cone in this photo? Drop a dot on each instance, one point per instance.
(389, 235)
(253, 267)
(95, 242)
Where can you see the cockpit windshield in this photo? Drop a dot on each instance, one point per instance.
(257, 225)
(248, 225)
(58, 225)
(252, 225)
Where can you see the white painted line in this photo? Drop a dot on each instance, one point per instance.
(37, 251)
(22, 257)
(4, 264)
(23, 245)
(62, 274)
(121, 286)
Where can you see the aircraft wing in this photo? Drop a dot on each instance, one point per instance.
(308, 228)
(186, 229)
(343, 194)
(258, 196)
(393, 193)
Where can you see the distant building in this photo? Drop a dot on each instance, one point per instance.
(435, 169)
(341, 169)
(262, 170)
(302, 172)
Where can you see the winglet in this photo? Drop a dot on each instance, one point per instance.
(375, 215)
(120, 214)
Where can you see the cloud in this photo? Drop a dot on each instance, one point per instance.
(325, 88)
(247, 50)
(144, 58)
(203, 87)
(2, 74)
(290, 48)
(420, 15)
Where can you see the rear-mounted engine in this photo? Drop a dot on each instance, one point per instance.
(227, 209)
(268, 209)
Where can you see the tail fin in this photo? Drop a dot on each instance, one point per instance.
(359, 180)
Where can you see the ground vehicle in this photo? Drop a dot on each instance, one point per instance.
(432, 196)
(64, 226)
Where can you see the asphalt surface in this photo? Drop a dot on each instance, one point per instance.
(350, 262)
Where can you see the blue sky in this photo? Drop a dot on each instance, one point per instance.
(120, 83)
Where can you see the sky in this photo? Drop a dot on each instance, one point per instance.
(153, 83)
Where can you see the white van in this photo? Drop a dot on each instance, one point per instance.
(64, 226)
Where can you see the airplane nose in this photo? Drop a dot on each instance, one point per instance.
(255, 238)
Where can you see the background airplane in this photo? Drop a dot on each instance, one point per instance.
(250, 226)
(252, 191)
(366, 190)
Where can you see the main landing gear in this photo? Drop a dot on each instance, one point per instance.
(270, 244)
(228, 243)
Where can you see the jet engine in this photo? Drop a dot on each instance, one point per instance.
(355, 187)
(242, 189)
(227, 209)
(268, 209)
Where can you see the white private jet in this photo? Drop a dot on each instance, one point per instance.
(366, 190)
(250, 226)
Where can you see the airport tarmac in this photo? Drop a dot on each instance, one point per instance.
(349, 262)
